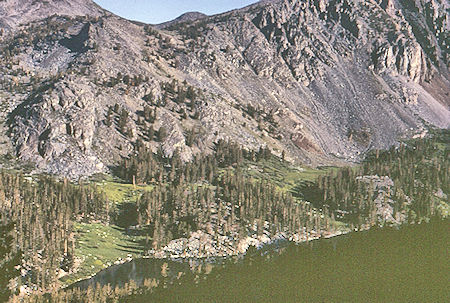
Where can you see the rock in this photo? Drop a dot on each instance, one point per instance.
(371, 69)
(382, 189)
(440, 194)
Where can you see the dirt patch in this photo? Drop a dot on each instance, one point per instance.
(304, 143)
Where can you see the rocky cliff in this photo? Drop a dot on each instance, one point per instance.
(323, 81)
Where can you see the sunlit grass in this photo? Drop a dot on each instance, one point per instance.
(99, 246)
(118, 191)
(283, 174)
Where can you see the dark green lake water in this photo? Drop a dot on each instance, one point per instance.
(386, 265)
(410, 264)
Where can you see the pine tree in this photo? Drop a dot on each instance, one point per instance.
(162, 134)
(123, 120)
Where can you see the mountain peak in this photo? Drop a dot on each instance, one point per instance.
(17, 12)
(186, 17)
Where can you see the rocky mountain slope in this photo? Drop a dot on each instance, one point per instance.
(323, 81)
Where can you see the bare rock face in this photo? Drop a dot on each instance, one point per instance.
(323, 81)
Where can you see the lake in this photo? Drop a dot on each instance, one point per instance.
(409, 264)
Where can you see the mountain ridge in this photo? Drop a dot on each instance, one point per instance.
(321, 81)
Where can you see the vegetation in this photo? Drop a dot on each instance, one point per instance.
(99, 246)
(43, 211)
(212, 188)
(350, 268)
(127, 80)
(8, 260)
(229, 193)
(418, 170)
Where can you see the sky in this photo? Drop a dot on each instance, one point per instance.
(158, 11)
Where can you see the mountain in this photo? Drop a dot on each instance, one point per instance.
(186, 17)
(323, 81)
(17, 12)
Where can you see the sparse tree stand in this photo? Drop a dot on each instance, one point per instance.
(8, 261)
(43, 224)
